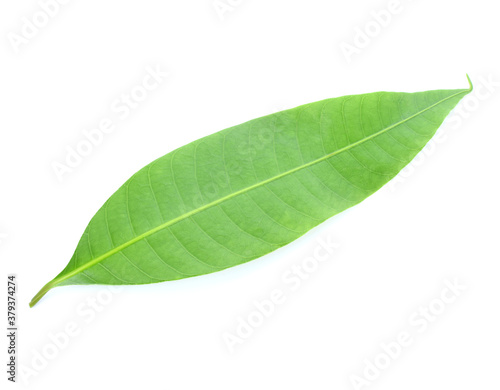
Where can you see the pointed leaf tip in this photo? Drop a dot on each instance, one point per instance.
(471, 87)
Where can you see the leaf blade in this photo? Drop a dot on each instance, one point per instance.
(296, 169)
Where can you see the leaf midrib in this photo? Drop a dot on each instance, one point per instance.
(167, 224)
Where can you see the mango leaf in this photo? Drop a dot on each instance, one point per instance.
(248, 190)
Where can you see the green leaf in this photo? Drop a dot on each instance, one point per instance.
(243, 192)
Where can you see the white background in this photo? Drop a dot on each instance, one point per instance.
(396, 251)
